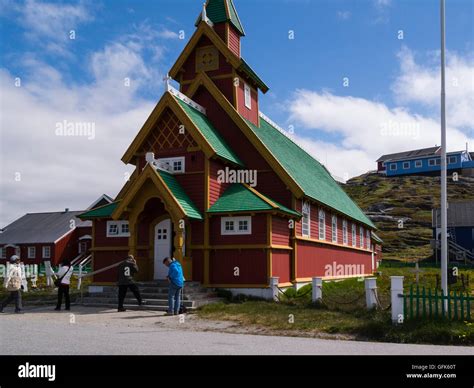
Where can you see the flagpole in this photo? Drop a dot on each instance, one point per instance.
(444, 210)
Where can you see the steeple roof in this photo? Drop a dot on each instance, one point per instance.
(220, 11)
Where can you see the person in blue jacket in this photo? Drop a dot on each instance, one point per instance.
(176, 281)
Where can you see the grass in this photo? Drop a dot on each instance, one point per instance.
(343, 312)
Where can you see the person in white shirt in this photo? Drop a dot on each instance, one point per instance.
(64, 277)
(13, 284)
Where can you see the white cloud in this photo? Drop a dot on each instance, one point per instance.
(71, 171)
(368, 129)
(343, 15)
(421, 84)
(49, 24)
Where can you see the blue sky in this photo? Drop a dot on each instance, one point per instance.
(392, 83)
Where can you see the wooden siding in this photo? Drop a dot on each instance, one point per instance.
(312, 258)
(258, 236)
(251, 263)
(281, 265)
(280, 231)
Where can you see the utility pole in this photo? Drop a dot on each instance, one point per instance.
(444, 199)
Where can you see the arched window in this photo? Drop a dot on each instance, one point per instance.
(306, 226)
(322, 225)
(344, 232)
(334, 228)
(354, 235)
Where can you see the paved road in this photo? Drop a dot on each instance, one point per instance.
(97, 331)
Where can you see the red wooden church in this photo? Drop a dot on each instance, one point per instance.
(220, 187)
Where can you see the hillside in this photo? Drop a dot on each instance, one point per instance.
(410, 199)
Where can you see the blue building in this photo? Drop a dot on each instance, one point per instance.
(425, 161)
(460, 230)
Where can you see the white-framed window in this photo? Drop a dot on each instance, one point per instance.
(367, 238)
(406, 165)
(452, 159)
(82, 247)
(306, 224)
(247, 96)
(31, 252)
(354, 235)
(173, 165)
(46, 252)
(3, 253)
(345, 239)
(361, 232)
(236, 225)
(393, 166)
(334, 228)
(418, 163)
(117, 229)
(322, 225)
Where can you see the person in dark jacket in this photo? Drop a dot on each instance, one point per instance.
(64, 274)
(126, 270)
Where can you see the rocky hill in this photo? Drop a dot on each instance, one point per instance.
(401, 207)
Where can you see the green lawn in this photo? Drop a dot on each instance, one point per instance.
(343, 312)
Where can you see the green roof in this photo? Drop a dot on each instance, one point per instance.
(245, 67)
(239, 198)
(178, 192)
(219, 11)
(104, 211)
(210, 133)
(307, 172)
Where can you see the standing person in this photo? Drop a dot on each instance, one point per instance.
(64, 279)
(126, 270)
(176, 281)
(12, 283)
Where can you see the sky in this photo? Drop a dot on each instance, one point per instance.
(352, 79)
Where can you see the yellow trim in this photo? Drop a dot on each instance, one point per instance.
(167, 101)
(294, 256)
(241, 246)
(206, 268)
(332, 244)
(238, 285)
(269, 243)
(109, 248)
(287, 284)
(163, 192)
(283, 247)
(261, 196)
(203, 79)
(235, 90)
(220, 76)
(127, 185)
(203, 29)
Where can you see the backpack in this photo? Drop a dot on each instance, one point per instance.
(14, 284)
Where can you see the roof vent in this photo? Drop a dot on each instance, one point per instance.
(66, 210)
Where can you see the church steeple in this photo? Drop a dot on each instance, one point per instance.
(225, 21)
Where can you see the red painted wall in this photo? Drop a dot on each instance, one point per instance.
(234, 41)
(103, 259)
(216, 189)
(281, 265)
(280, 231)
(258, 236)
(252, 264)
(197, 259)
(252, 113)
(312, 257)
(101, 239)
(269, 184)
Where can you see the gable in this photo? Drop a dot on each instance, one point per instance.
(165, 136)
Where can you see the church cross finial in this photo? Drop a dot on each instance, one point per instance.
(204, 15)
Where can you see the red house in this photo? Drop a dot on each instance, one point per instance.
(221, 187)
